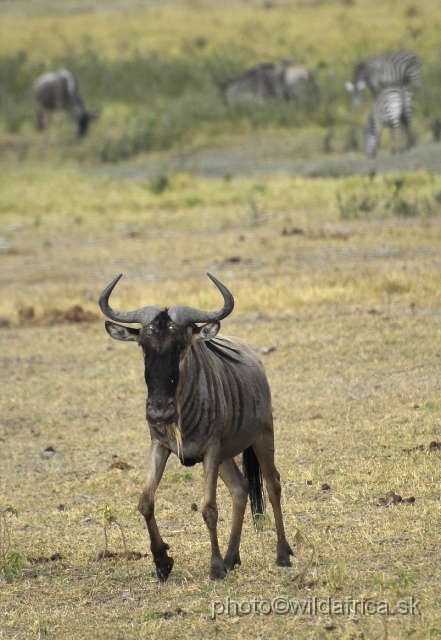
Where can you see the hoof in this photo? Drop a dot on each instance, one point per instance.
(232, 562)
(218, 574)
(163, 569)
(283, 562)
(283, 554)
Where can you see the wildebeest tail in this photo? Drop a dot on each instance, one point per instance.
(253, 474)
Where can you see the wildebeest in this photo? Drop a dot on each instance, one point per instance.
(396, 68)
(392, 108)
(208, 401)
(268, 80)
(298, 83)
(59, 91)
(262, 81)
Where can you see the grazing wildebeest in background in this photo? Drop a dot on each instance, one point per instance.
(208, 401)
(268, 80)
(298, 83)
(59, 91)
(396, 68)
(393, 108)
(262, 81)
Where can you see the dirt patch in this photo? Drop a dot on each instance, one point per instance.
(74, 314)
(274, 155)
(121, 555)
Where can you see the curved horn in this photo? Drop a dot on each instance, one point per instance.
(186, 315)
(143, 316)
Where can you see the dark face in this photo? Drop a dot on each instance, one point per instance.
(82, 125)
(83, 122)
(164, 345)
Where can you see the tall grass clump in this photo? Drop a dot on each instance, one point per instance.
(17, 74)
(392, 195)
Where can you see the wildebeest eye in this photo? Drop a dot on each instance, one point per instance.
(181, 348)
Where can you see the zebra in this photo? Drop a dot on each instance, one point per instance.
(395, 68)
(392, 107)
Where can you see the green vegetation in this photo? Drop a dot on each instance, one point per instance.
(156, 79)
(11, 561)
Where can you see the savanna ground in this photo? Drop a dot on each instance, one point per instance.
(349, 298)
(341, 275)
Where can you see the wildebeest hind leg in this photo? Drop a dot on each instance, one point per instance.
(264, 450)
(238, 487)
(157, 460)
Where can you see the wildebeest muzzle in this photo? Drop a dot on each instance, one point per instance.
(161, 412)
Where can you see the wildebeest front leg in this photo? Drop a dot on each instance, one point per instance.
(238, 487)
(158, 457)
(218, 569)
(41, 120)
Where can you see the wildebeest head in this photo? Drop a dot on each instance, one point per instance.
(165, 338)
(83, 122)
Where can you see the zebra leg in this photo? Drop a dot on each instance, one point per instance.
(238, 487)
(409, 140)
(158, 457)
(393, 138)
(264, 450)
(218, 569)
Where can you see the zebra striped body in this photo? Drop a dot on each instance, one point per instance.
(393, 108)
(397, 68)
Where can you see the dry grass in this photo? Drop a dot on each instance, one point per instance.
(347, 291)
(353, 308)
(330, 31)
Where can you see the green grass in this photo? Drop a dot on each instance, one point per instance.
(154, 73)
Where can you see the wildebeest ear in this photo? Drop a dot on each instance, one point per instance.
(118, 332)
(207, 331)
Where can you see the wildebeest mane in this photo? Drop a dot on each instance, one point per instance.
(224, 351)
